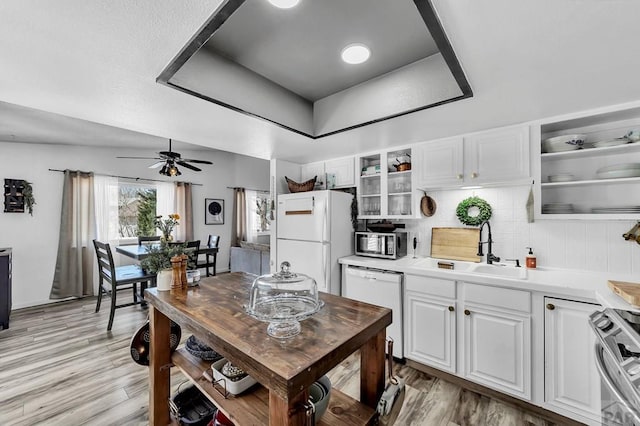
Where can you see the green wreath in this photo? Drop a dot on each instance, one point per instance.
(462, 211)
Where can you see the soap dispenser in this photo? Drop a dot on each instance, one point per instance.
(531, 259)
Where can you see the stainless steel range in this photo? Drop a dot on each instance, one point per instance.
(618, 361)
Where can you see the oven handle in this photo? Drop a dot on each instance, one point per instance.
(608, 382)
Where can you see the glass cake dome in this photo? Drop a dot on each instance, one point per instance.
(283, 299)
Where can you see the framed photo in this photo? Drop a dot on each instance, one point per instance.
(213, 211)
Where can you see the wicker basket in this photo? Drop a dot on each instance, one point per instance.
(301, 187)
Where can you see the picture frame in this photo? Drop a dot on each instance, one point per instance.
(213, 211)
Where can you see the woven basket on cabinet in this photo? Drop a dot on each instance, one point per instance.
(301, 187)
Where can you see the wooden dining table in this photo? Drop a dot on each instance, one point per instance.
(139, 252)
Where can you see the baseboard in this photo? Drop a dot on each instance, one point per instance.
(17, 306)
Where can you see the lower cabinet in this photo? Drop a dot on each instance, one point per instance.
(572, 384)
(484, 334)
(430, 322)
(497, 350)
(496, 338)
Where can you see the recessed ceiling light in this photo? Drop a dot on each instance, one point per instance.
(355, 53)
(284, 4)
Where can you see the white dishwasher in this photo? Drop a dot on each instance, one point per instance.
(382, 288)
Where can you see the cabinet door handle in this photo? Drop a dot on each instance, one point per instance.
(451, 309)
(474, 175)
(460, 176)
(551, 306)
(467, 312)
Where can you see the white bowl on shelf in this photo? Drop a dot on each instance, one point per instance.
(616, 171)
(563, 143)
(561, 177)
(611, 142)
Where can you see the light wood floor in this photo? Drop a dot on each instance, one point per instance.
(59, 366)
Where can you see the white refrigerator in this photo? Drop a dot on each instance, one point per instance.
(314, 230)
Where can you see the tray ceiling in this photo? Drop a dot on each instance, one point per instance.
(284, 66)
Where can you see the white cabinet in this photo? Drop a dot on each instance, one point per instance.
(430, 322)
(572, 384)
(570, 185)
(496, 338)
(385, 187)
(439, 163)
(495, 156)
(344, 169)
(311, 170)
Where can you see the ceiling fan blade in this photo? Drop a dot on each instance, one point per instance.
(142, 158)
(196, 161)
(188, 166)
(158, 164)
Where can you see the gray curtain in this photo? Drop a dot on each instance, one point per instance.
(184, 207)
(74, 266)
(239, 222)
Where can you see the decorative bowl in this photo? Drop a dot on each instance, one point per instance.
(563, 143)
(320, 394)
(283, 300)
(234, 387)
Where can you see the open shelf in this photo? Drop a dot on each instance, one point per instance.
(591, 152)
(590, 182)
(252, 407)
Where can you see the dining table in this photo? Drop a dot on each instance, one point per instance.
(139, 252)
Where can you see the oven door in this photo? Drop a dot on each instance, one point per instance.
(619, 402)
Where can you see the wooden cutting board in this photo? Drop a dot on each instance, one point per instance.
(630, 292)
(455, 243)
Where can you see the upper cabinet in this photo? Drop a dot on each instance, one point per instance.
(342, 168)
(492, 157)
(385, 184)
(587, 166)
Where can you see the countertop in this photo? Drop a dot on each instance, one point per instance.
(552, 282)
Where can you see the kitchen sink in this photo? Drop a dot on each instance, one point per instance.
(500, 270)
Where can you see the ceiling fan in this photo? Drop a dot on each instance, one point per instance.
(169, 161)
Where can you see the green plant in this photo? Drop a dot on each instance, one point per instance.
(462, 211)
(27, 194)
(146, 212)
(159, 256)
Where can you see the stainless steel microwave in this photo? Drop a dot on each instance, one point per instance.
(388, 245)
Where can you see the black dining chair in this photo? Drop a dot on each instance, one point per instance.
(113, 279)
(192, 251)
(213, 242)
(142, 239)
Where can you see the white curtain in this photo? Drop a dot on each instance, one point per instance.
(165, 199)
(106, 199)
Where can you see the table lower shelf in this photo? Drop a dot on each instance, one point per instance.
(252, 407)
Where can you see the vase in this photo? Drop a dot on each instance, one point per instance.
(167, 238)
(163, 280)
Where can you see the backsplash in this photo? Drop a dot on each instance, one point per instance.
(586, 245)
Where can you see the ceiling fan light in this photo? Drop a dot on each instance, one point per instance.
(284, 4)
(355, 53)
(164, 170)
(173, 170)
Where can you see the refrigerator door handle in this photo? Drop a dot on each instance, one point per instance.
(325, 263)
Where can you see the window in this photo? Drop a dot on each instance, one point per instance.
(136, 209)
(258, 214)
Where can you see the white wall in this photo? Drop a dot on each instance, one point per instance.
(573, 244)
(35, 239)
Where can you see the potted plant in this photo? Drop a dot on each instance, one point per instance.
(158, 261)
(29, 200)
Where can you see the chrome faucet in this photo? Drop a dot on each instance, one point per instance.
(490, 256)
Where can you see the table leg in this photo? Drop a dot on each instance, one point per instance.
(283, 413)
(159, 371)
(372, 364)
